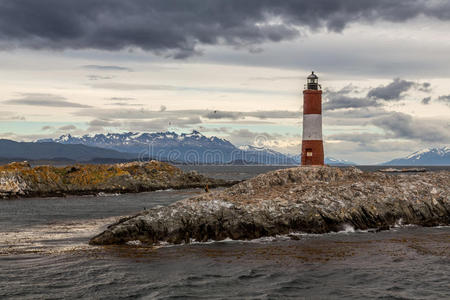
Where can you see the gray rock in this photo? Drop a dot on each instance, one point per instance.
(302, 199)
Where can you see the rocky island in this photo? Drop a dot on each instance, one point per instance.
(19, 179)
(301, 199)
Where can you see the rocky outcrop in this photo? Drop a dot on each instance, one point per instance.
(21, 180)
(302, 199)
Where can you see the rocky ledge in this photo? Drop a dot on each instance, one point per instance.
(302, 199)
(22, 180)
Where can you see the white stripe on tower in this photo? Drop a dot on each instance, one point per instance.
(312, 127)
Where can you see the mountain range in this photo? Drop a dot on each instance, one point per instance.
(185, 148)
(188, 148)
(424, 157)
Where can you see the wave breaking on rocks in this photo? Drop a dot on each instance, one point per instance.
(301, 199)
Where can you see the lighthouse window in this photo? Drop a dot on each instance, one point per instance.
(308, 153)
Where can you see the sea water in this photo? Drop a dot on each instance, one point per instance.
(44, 254)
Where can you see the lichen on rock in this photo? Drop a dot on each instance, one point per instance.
(20, 179)
(301, 199)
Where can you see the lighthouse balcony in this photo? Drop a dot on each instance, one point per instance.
(312, 86)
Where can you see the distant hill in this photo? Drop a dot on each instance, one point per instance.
(11, 150)
(425, 157)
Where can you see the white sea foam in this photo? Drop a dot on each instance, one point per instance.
(53, 238)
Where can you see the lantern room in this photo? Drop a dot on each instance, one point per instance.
(313, 82)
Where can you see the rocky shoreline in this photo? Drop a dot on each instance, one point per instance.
(19, 179)
(301, 199)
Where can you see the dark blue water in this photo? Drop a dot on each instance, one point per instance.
(44, 255)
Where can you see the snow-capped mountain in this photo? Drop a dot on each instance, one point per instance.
(424, 157)
(136, 142)
(328, 161)
(265, 156)
(338, 162)
(191, 147)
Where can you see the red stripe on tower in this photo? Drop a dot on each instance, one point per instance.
(312, 144)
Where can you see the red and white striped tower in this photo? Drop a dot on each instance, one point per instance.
(312, 144)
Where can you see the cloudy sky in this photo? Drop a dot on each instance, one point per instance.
(232, 68)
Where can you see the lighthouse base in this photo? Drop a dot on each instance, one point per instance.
(312, 153)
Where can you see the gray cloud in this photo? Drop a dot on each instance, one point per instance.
(392, 91)
(248, 137)
(97, 77)
(103, 123)
(426, 100)
(38, 99)
(106, 68)
(375, 97)
(176, 28)
(343, 101)
(160, 124)
(276, 78)
(404, 126)
(67, 127)
(193, 113)
(357, 137)
(121, 98)
(125, 104)
(424, 87)
(217, 114)
(445, 99)
(163, 87)
(274, 114)
(9, 116)
(123, 101)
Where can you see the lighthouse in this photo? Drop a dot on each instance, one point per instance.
(312, 144)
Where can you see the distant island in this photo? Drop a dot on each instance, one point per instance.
(23, 180)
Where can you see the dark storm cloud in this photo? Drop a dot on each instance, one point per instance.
(37, 99)
(176, 27)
